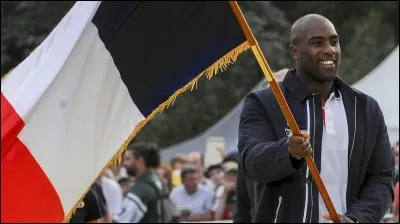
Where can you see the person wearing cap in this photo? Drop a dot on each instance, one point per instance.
(216, 174)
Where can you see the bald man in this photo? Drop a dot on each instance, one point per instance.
(343, 129)
(196, 160)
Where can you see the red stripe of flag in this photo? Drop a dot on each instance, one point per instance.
(27, 195)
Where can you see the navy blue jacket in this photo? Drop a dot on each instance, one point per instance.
(280, 181)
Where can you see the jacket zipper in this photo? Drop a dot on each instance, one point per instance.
(277, 209)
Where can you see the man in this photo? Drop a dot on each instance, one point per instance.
(344, 131)
(216, 174)
(140, 204)
(191, 198)
(91, 209)
(196, 160)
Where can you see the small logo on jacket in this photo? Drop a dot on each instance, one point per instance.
(288, 131)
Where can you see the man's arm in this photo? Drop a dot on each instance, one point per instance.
(262, 156)
(133, 210)
(243, 206)
(376, 194)
(208, 214)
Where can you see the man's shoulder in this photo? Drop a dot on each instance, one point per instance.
(177, 190)
(205, 190)
(265, 92)
(142, 189)
(369, 101)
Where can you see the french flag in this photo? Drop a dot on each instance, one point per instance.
(72, 106)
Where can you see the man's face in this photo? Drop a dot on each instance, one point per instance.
(129, 162)
(216, 175)
(396, 154)
(191, 181)
(195, 162)
(179, 165)
(318, 51)
(230, 176)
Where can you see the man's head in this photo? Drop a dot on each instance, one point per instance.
(139, 157)
(216, 174)
(231, 170)
(195, 159)
(315, 48)
(178, 162)
(190, 179)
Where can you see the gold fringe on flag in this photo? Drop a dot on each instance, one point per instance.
(220, 65)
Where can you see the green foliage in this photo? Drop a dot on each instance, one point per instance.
(24, 25)
(368, 33)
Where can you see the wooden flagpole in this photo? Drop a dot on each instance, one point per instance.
(284, 106)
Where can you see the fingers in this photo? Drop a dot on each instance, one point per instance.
(299, 146)
(305, 134)
(296, 139)
(343, 219)
(327, 217)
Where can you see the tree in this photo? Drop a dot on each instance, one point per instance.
(24, 25)
(368, 32)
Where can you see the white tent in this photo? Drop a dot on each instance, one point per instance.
(382, 83)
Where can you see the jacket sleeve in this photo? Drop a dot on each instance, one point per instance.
(376, 194)
(264, 158)
(243, 205)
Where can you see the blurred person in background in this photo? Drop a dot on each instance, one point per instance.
(395, 207)
(396, 159)
(92, 209)
(216, 174)
(196, 160)
(126, 184)
(165, 173)
(226, 198)
(178, 162)
(112, 192)
(194, 200)
(116, 172)
(140, 203)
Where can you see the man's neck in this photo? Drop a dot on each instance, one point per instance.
(324, 88)
(140, 173)
(189, 192)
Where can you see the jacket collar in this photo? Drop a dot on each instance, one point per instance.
(300, 92)
(297, 89)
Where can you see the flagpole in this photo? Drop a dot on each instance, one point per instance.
(283, 105)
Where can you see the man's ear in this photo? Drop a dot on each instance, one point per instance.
(294, 51)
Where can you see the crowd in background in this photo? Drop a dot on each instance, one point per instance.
(199, 193)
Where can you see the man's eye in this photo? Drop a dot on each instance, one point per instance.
(316, 42)
(334, 42)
